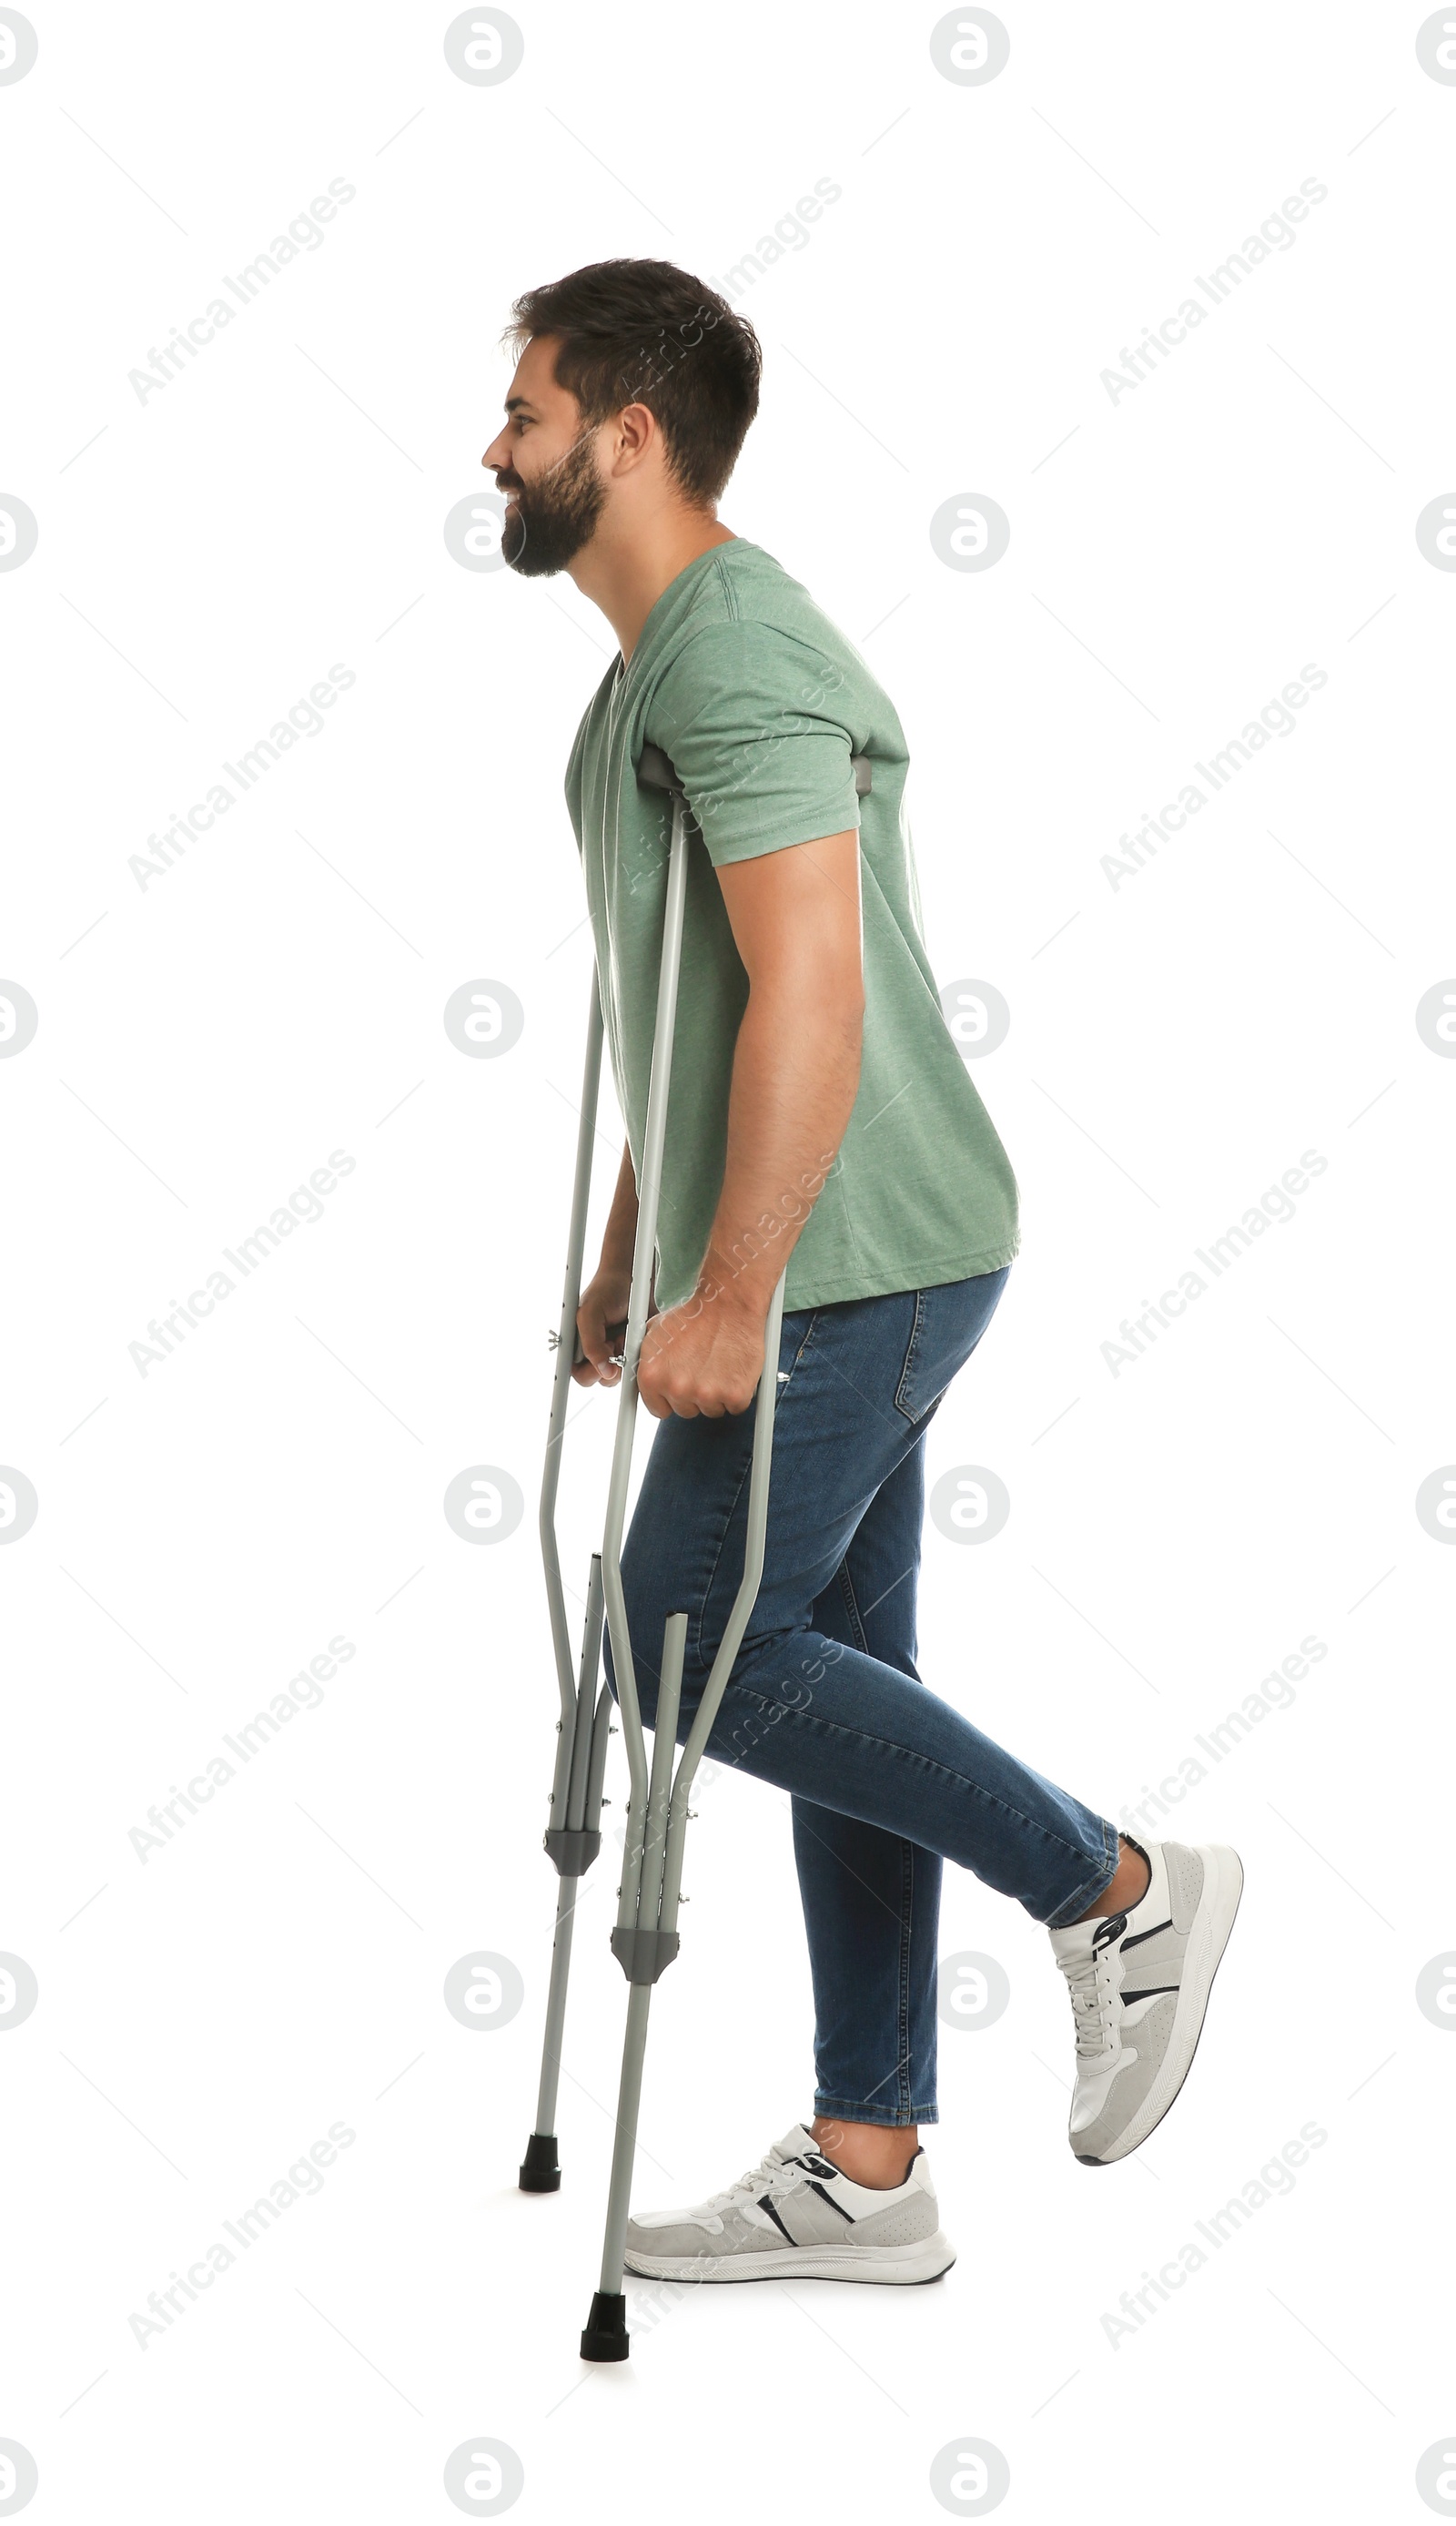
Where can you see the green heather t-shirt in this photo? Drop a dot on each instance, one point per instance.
(759, 702)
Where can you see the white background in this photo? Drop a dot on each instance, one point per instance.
(1176, 1042)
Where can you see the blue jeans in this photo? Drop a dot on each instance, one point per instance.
(885, 1780)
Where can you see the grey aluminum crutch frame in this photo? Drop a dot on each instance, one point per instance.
(645, 1939)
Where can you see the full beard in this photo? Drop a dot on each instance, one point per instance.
(553, 518)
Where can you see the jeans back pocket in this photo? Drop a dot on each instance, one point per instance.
(949, 1321)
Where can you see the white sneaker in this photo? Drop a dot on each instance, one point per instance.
(1139, 1986)
(796, 2218)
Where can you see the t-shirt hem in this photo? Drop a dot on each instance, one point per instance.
(931, 1274)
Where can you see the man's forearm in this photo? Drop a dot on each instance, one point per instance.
(619, 1236)
(797, 1068)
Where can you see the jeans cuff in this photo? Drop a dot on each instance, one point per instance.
(850, 2112)
(1098, 1884)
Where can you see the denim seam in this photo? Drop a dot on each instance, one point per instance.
(857, 2109)
(1077, 1904)
(700, 1656)
(918, 1420)
(907, 1909)
(907, 1753)
(851, 1605)
(880, 1414)
(911, 1348)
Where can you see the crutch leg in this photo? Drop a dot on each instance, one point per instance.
(573, 1839)
(573, 1847)
(645, 1939)
(540, 2168)
(572, 1836)
(643, 1954)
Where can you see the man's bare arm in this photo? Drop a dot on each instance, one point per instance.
(795, 917)
(604, 1300)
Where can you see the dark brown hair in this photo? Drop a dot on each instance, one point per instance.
(637, 331)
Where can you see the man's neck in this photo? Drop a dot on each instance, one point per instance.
(626, 577)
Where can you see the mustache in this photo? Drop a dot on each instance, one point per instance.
(514, 483)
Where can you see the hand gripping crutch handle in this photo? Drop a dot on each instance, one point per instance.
(618, 1335)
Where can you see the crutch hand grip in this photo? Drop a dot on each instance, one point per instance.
(617, 1335)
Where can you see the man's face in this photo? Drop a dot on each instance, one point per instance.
(546, 462)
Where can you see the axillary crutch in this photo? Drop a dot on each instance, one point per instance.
(645, 1938)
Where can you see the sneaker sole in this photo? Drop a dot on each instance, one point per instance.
(904, 2266)
(1207, 1940)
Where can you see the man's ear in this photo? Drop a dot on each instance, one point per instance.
(638, 426)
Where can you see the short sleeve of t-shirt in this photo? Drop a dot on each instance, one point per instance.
(753, 720)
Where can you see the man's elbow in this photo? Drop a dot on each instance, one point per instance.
(847, 998)
(851, 1019)
(816, 995)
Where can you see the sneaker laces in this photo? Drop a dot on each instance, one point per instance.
(772, 2174)
(1089, 1981)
